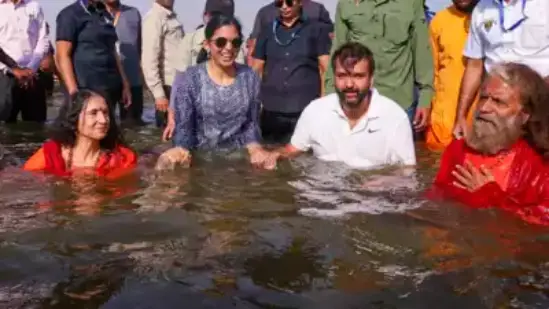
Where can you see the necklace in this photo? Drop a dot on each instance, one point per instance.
(70, 159)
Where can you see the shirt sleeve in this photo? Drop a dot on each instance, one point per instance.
(341, 33)
(423, 57)
(302, 138)
(325, 19)
(66, 27)
(260, 50)
(401, 144)
(252, 132)
(37, 162)
(42, 42)
(474, 47)
(183, 104)
(185, 50)
(150, 58)
(323, 42)
(258, 24)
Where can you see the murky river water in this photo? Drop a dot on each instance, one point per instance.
(223, 235)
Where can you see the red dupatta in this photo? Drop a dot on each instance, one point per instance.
(111, 164)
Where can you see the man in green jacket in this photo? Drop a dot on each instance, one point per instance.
(396, 31)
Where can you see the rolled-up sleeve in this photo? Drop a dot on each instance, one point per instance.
(423, 56)
(150, 59)
(42, 42)
(252, 133)
(183, 103)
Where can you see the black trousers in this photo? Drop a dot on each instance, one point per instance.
(162, 117)
(278, 128)
(29, 101)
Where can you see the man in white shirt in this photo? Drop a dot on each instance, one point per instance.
(23, 38)
(357, 125)
(503, 31)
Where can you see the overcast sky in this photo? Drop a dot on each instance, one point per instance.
(190, 11)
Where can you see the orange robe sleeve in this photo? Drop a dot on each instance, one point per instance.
(37, 162)
(125, 165)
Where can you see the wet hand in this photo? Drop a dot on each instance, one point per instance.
(172, 157)
(421, 119)
(258, 155)
(170, 127)
(162, 104)
(271, 160)
(471, 178)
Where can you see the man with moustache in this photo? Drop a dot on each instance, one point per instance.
(356, 125)
(501, 161)
(448, 32)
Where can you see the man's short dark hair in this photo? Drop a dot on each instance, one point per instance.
(349, 54)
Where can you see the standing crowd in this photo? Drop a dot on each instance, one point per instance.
(360, 90)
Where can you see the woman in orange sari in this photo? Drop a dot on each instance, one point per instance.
(85, 140)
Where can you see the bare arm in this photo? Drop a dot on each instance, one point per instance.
(63, 62)
(121, 70)
(251, 49)
(288, 152)
(470, 83)
(323, 64)
(258, 66)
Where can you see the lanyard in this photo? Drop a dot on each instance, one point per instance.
(502, 17)
(293, 36)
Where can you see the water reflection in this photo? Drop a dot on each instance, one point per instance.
(224, 235)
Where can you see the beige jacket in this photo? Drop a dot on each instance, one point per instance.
(162, 37)
(192, 44)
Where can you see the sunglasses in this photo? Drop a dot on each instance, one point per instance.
(280, 3)
(222, 42)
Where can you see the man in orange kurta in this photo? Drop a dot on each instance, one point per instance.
(448, 32)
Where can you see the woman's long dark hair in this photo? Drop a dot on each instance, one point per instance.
(65, 127)
(217, 21)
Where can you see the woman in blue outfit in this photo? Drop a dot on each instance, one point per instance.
(215, 103)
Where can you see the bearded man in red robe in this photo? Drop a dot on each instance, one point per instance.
(501, 161)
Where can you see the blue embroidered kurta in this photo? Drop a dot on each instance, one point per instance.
(210, 116)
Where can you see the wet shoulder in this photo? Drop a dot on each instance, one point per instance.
(322, 105)
(388, 108)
